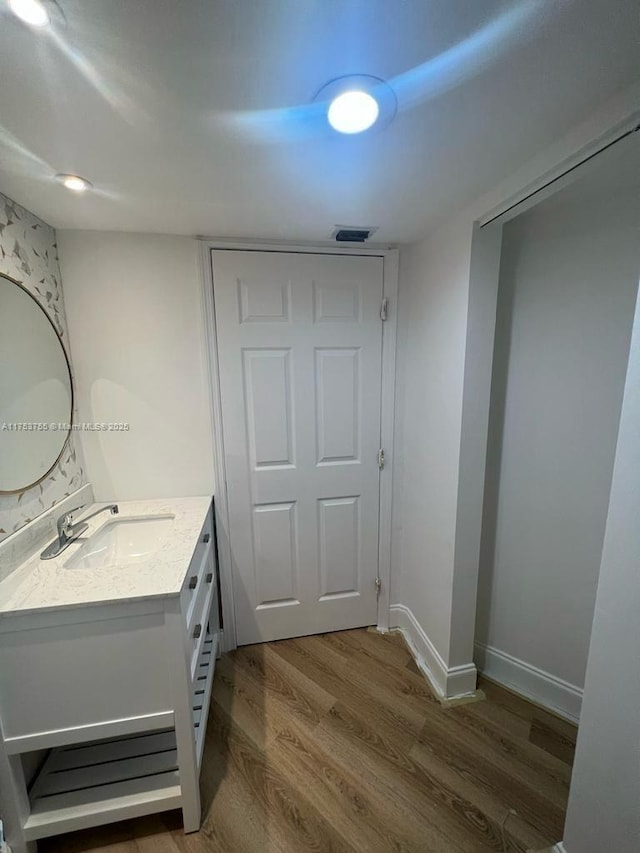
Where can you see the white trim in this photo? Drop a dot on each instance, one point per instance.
(426, 655)
(221, 507)
(461, 680)
(556, 848)
(93, 731)
(387, 421)
(474, 434)
(448, 683)
(541, 687)
(572, 169)
(390, 258)
(17, 621)
(568, 170)
(320, 248)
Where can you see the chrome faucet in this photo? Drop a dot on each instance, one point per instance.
(68, 531)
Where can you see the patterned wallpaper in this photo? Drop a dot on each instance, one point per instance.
(29, 254)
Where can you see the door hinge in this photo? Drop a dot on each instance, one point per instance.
(384, 308)
(381, 459)
(378, 586)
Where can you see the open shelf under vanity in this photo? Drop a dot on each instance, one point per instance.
(102, 781)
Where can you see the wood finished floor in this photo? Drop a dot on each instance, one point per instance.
(335, 743)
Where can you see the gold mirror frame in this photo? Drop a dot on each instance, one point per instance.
(23, 489)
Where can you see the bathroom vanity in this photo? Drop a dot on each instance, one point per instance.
(107, 655)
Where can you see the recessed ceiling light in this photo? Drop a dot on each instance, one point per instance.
(356, 103)
(353, 112)
(32, 12)
(74, 183)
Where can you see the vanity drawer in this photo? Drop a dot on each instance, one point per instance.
(93, 667)
(205, 603)
(197, 576)
(199, 582)
(205, 579)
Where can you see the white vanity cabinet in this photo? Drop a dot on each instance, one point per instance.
(110, 701)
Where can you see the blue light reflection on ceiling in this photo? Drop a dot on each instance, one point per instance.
(439, 74)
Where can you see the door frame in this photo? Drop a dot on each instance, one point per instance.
(484, 273)
(390, 257)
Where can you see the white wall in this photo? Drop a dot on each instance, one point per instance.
(430, 363)
(433, 347)
(568, 284)
(604, 803)
(137, 339)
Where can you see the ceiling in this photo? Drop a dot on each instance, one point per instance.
(197, 116)
(608, 179)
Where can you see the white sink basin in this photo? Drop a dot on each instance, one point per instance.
(123, 541)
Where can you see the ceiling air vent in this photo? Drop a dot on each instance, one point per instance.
(352, 234)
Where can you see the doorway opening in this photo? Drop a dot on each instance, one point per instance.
(568, 281)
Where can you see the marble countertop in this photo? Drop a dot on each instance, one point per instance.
(41, 585)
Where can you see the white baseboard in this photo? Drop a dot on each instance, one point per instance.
(447, 682)
(557, 848)
(547, 690)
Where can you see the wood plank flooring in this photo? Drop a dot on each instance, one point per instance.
(335, 744)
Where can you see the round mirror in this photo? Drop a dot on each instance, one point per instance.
(36, 395)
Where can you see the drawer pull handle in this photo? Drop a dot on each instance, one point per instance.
(206, 538)
(193, 581)
(197, 631)
(209, 577)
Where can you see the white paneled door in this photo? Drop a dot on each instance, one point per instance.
(300, 352)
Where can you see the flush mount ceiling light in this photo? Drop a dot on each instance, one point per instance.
(353, 112)
(74, 183)
(32, 12)
(358, 102)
